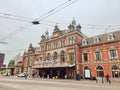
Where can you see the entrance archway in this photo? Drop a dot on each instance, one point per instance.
(100, 71)
(87, 72)
(115, 71)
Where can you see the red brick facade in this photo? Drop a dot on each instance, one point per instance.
(70, 52)
(106, 63)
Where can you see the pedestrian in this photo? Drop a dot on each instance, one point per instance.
(65, 76)
(25, 75)
(107, 77)
(102, 79)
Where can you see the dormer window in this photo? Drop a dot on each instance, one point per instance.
(84, 42)
(96, 40)
(110, 37)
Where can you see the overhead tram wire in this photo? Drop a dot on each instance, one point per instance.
(16, 50)
(86, 27)
(49, 13)
(22, 18)
(59, 9)
(14, 18)
(28, 25)
(19, 30)
(2, 42)
(53, 9)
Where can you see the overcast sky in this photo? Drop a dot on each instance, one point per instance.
(95, 16)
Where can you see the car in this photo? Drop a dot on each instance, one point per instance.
(6, 74)
(21, 75)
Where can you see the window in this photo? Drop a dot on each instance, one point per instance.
(72, 56)
(42, 47)
(55, 55)
(98, 55)
(49, 46)
(36, 52)
(48, 56)
(63, 43)
(84, 42)
(110, 37)
(96, 40)
(113, 54)
(55, 45)
(85, 57)
(71, 40)
(62, 56)
(41, 58)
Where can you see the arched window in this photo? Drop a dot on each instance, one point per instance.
(100, 71)
(63, 56)
(48, 56)
(86, 67)
(115, 67)
(115, 71)
(55, 55)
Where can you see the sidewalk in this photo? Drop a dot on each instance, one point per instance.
(114, 82)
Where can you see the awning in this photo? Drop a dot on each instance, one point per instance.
(53, 66)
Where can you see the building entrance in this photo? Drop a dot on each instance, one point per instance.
(52, 72)
(115, 71)
(100, 71)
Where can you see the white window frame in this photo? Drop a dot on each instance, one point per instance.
(96, 40)
(110, 37)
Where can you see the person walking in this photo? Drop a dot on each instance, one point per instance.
(102, 79)
(107, 78)
(25, 75)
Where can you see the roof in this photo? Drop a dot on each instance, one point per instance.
(103, 38)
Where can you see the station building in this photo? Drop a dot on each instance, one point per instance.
(69, 53)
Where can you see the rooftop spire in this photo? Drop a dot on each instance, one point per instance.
(73, 21)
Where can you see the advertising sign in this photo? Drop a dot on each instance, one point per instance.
(87, 73)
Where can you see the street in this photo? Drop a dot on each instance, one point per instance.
(15, 83)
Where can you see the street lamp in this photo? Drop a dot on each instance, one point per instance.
(28, 63)
(77, 76)
(35, 22)
(75, 59)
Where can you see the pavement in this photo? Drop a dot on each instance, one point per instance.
(15, 83)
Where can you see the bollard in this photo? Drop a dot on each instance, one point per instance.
(109, 81)
(96, 81)
(102, 80)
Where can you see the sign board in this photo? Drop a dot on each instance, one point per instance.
(47, 62)
(87, 73)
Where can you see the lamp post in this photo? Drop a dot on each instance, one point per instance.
(75, 59)
(77, 76)
(28, 63)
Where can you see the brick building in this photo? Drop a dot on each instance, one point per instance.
(70, 52)
(101, 54)
(18, 64)
(1, 59)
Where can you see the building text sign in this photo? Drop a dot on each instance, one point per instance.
(47, 62)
